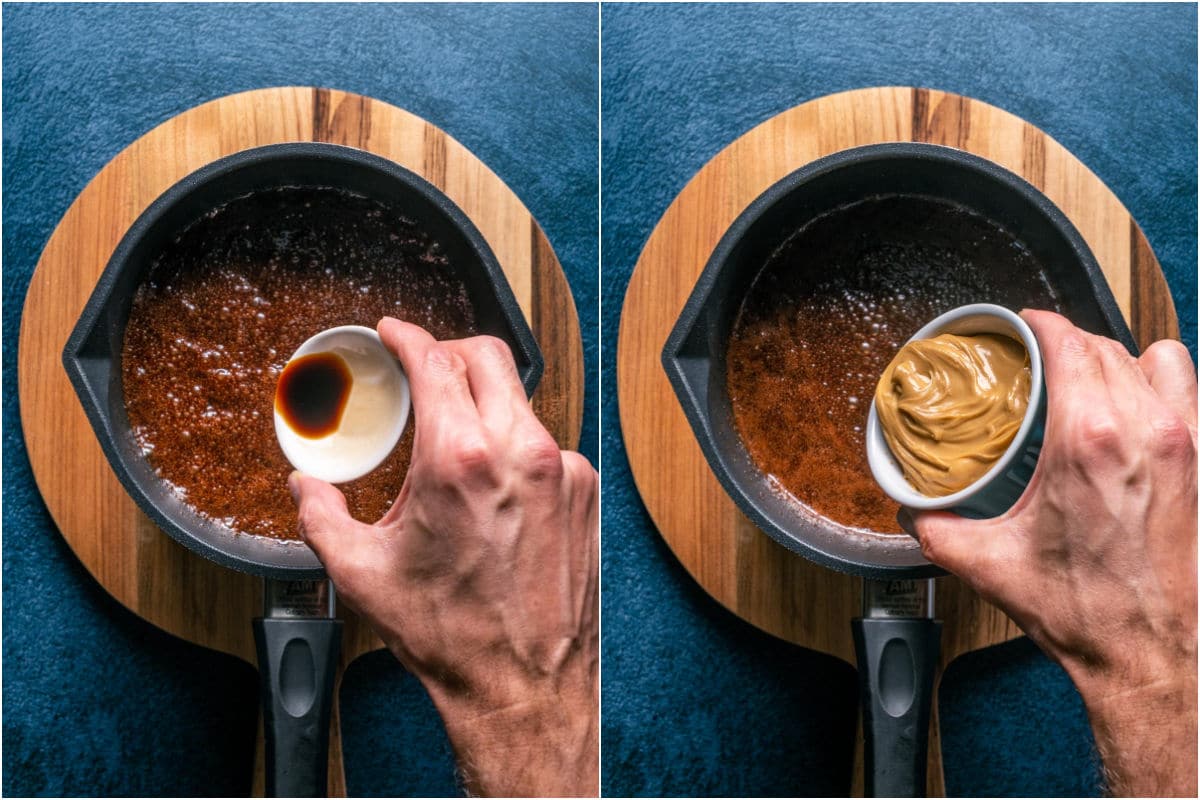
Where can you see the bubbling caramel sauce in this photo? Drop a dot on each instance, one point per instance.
(824, 317)
(225, 306)
(950, 406)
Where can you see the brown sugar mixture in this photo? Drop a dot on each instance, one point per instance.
(824, 318)
(224, 308)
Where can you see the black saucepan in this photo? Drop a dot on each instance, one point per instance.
(298, 638)
(897, 640)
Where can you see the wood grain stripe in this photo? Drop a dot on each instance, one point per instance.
(356, 123)
(435, 155)
(1033, 156)
(920, 115)
(939, 118)
(537, 317)
(558, 407)
(1137, 319)
(1152, 312)
(951, 122)
(321, 115)
(346, 121)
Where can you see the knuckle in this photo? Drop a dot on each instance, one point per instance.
(1168, 352)
(1100, 429)
(493, 349)
(541, 458)
(1171, 438)
(468, 457)
(441, 359)
(1071, 346)
(1097, 435)
(1115, 350)
(580, 470)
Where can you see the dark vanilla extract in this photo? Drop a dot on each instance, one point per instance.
(312, 393)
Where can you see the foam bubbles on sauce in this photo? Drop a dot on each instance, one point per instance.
(226, 305)
(823, 319)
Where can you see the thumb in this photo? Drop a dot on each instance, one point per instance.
(323, 512)
(965, 547)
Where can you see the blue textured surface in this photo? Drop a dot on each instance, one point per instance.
(695, 701)
(95, 700)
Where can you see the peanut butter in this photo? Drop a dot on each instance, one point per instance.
(950, 406)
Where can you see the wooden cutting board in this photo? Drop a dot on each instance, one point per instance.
(145, 570)
(732, 560)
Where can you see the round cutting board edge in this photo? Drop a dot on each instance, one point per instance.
(736, 564)
(142, 569)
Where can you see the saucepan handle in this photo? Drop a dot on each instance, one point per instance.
(297, 659)
(897, 659)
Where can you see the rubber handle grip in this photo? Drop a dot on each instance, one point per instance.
(297, 659)
(897, 660)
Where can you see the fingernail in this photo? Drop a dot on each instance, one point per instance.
(905, 521)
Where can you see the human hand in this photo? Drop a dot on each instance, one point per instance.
(482, 577)
(1097, 560)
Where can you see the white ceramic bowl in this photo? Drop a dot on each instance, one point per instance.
(996, 491)
(375, 414)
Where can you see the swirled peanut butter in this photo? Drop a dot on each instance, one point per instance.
(950, 406)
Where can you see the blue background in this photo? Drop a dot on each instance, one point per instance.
(696, 701)
(97, 701)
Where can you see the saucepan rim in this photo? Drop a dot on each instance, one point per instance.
(294, 560)
(801, 536)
